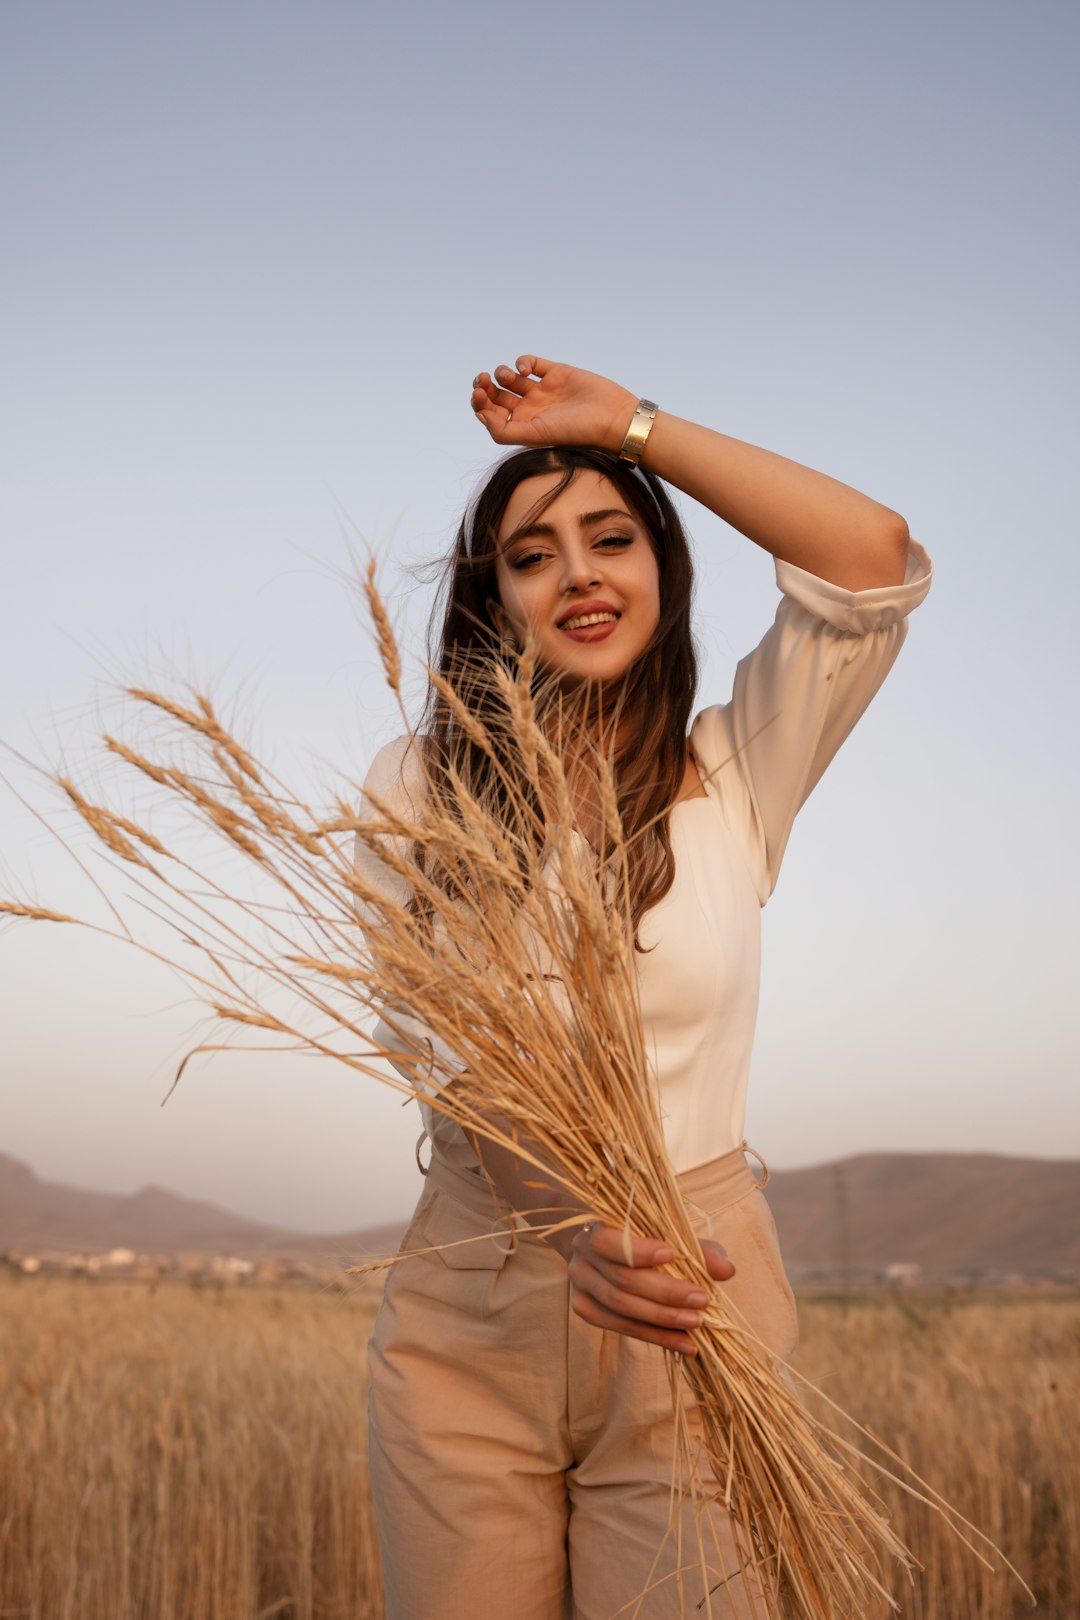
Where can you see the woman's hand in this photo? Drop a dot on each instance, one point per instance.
(539, 402)
(639, 1299)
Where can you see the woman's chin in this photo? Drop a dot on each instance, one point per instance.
(587, 672)
(588, 665)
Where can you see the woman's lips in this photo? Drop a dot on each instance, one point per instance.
(592, 632)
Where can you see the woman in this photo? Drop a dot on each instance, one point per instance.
(522, 1432)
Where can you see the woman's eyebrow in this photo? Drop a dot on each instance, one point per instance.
(585, 518)
(539, 530)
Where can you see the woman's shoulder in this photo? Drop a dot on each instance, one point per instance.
(710, 736)
(396, 771)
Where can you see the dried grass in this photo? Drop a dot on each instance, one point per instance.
(179, 1453)
(519, 963)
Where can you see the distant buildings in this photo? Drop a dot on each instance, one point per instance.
(127, 1264)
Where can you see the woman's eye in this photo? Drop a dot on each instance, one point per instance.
(530, 559)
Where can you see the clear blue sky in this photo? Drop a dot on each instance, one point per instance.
(254, 253)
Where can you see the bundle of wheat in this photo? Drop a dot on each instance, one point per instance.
(515, 949)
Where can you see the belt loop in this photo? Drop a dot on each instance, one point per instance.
(706, 1217)
(420, 1140)
(754, 1154)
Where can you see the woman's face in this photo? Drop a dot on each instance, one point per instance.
(583, 575)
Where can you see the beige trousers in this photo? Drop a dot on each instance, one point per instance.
(521, 1460)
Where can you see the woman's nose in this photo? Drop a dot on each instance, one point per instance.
(580, 573)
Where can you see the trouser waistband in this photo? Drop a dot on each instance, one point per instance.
(708, 1188)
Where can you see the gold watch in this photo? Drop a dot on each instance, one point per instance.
(640, 427)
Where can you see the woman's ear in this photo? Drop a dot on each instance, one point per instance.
(504, 629)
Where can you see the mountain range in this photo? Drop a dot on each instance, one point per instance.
(947, 1213)
(49, 1216)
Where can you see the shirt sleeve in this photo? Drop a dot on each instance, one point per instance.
(395, 778)
(794, 700)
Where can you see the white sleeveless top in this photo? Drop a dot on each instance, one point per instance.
(794, 700)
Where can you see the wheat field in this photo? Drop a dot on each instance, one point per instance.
(173, 1453)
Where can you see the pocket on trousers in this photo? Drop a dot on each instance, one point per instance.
(471, 1245)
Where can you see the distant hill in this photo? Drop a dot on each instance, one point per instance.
(947, 1212)
(37, 1214)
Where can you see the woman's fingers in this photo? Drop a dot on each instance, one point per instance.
(627, 1248)
(480, 398)
(514, 381)
(720, 1267)
(508, 416)
(663, 1308)
(645, 1283)
(504, 387)
(504, 390)
(591, 1311)
(486, 392)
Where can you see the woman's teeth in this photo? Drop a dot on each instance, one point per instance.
(589, 618)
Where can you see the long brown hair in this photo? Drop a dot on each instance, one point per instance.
(655, 696)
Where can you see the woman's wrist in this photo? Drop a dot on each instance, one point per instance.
(621, 420)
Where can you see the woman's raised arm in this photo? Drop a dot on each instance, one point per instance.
(801, 516)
